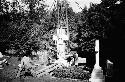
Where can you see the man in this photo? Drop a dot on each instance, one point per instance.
(72, 58)
(25, 64)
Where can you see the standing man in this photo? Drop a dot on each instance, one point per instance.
(25, 64)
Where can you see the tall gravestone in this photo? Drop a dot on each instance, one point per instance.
(43, 57)
(60, 37)
(97, 73)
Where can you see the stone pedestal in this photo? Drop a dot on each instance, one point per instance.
(97, 75)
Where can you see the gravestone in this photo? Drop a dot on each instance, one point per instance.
(43, 57)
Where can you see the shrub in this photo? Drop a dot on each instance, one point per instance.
(72, 72)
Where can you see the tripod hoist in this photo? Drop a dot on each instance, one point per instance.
(62, 30)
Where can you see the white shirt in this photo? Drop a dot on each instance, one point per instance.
(25, 61)
(1, 55)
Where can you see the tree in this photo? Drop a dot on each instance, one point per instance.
(96, 23)
(21, 25)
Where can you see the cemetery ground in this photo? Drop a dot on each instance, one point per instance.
(8, 74)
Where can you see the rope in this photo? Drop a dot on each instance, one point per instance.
(78, 5)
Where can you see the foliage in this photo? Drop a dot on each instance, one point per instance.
(22, 29)
(72, 72)
(95, 23)
(32, 29)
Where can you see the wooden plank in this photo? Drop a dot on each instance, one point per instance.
(46, 71)
(45, 68)
(42, 70)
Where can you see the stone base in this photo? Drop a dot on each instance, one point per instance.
(97, 75)
(97, 80)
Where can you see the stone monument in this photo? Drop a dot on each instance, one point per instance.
(97, 73)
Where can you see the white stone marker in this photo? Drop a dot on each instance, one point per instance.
(60, 37)
(97, 73)
(97, 54)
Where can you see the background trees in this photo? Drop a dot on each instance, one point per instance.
(30, 26)
(20, 24)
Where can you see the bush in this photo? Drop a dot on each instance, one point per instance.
(72, 72)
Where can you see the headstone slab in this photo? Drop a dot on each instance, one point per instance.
(80, 60)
